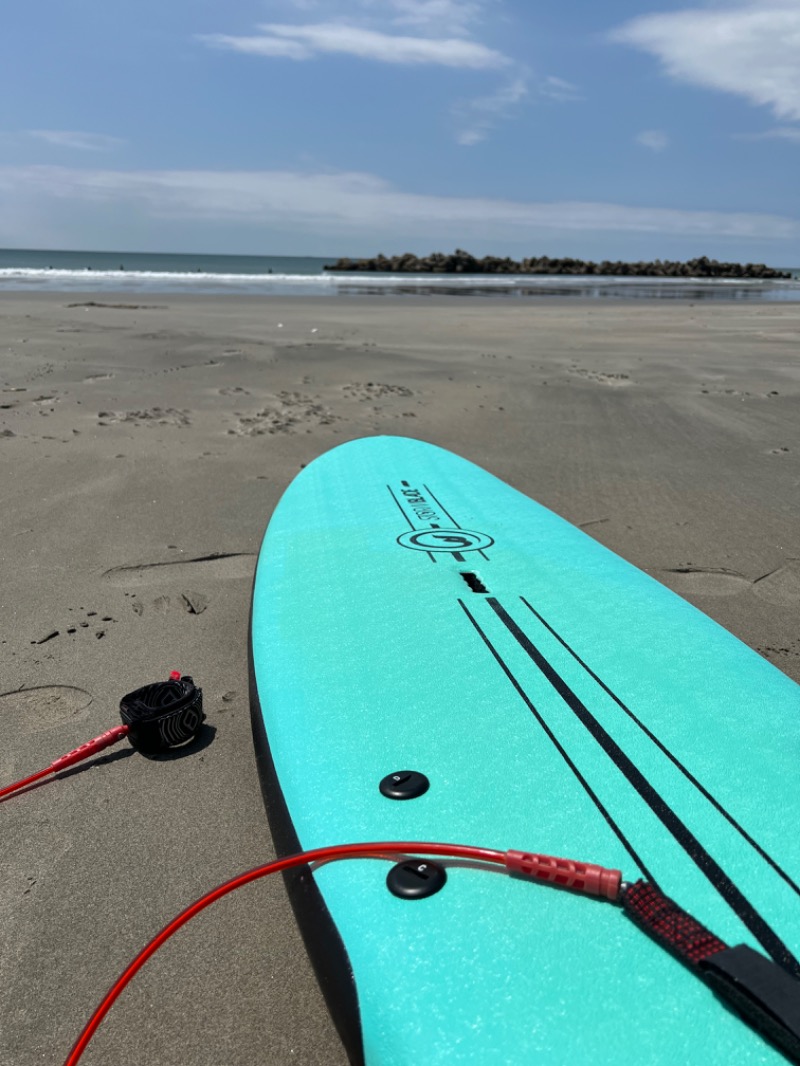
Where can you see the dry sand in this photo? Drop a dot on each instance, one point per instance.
(144, 442)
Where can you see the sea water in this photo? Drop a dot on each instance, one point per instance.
(142, 272)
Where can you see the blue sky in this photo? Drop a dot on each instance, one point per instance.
(595, 128)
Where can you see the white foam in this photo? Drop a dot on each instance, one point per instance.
(147, 277)
(54, 279)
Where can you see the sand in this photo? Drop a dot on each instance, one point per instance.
(144, 441)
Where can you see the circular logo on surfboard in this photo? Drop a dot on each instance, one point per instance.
(445, 540)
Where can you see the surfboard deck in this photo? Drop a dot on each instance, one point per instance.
(412, 612)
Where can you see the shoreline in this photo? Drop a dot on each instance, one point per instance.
(525, 287)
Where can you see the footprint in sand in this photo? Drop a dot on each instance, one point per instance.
(783, 655)
(41, 372)
(228, 698)
(705, 581)
(718, 390)
(33, 710)
(44, 404)
(780, 587)
(155, 416)
(82, 622)
(601, 377)
(374, 390)
(288, 412)
(191, 602)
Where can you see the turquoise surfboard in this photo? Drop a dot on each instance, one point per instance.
(414, 618)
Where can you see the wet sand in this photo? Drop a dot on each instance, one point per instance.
(144, 442)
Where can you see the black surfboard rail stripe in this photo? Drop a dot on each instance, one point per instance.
(729, 891)
(602, 809)
(704, 792)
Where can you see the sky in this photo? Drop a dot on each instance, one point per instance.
(632, 129)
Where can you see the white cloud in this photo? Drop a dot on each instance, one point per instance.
(258, 46)
(559, 89)
(86, 142)
(655, 140)
(477, 118)
(448, 16)
(305, 42)
(348, 205)
(750, 48)
(780, 133)
(445, 17)
(445, 34)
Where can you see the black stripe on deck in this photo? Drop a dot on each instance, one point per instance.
(732, 895)
(672, 758)
(559, 748)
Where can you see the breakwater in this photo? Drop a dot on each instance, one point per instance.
(461, 262)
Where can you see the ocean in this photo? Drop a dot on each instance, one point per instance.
(140, 272)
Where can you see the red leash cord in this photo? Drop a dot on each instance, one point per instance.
(764, 995)
(582, 877)
(761, 991)
(91, 747)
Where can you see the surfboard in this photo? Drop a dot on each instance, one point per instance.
(415, 619)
